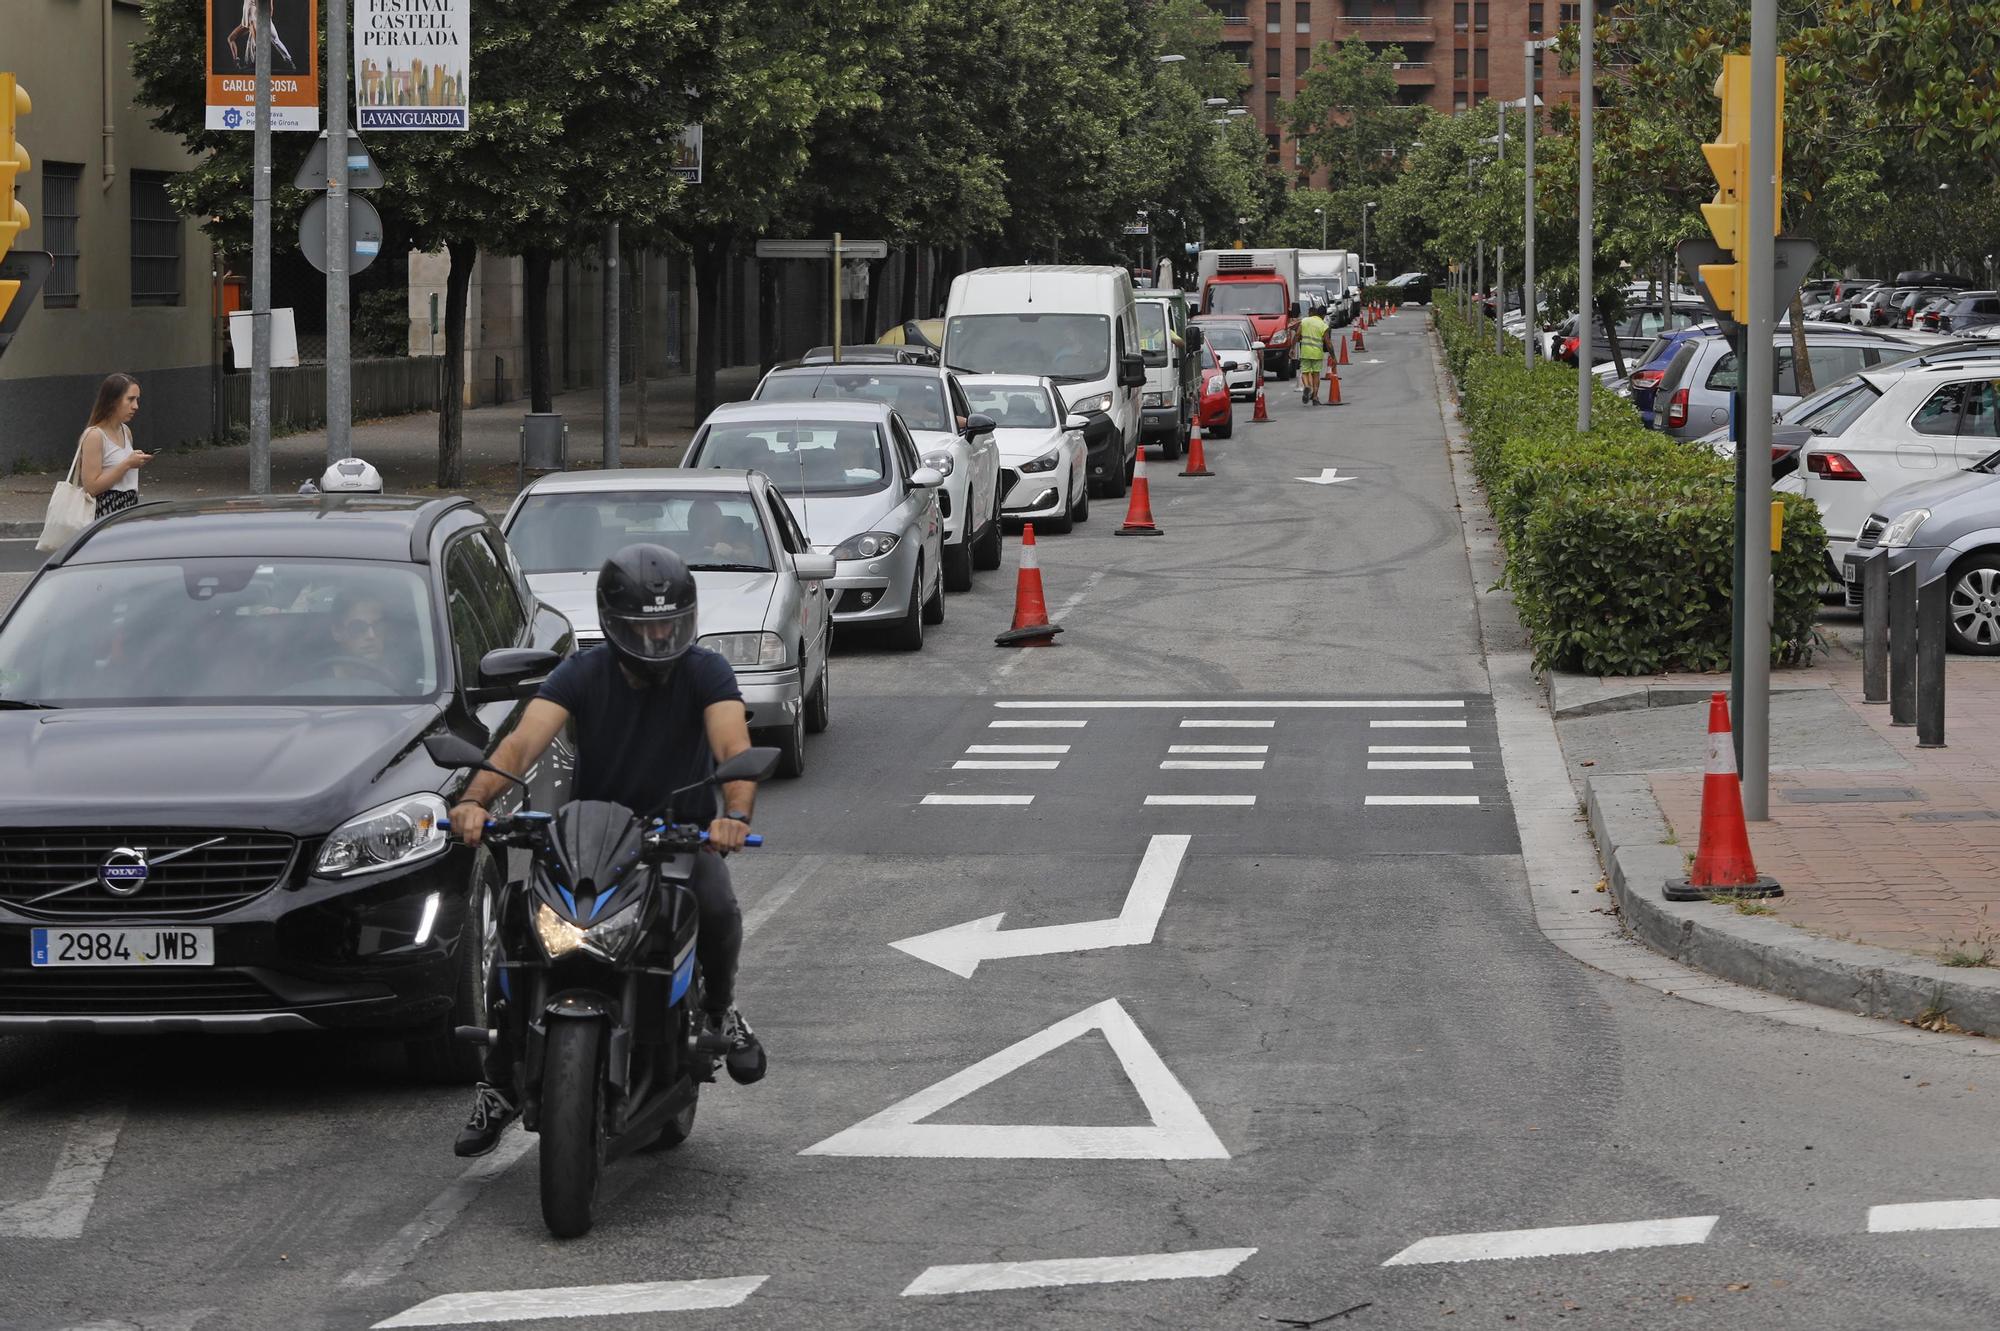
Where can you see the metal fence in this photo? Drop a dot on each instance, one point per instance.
(393, 386)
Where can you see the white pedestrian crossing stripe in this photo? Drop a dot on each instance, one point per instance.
(1012, 800)
(1391, 800)
(1420, 765)
(1079, 1271)
(1006, 765)
(523, 1305)
(1210, 724)
(1558, 1241)
(1218, 748)
(1970, 1213)
(1193, 801)
(1417, 725)
(1017, 748)
(1212, 765)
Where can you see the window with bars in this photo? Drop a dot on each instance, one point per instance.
(62, 194)
(156, 241)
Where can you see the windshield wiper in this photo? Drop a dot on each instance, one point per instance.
(729, 568)
(26, 704)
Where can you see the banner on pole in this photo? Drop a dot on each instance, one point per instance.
(687, 154)
(232, 64)
(413, 64)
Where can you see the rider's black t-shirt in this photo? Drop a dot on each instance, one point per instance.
(635, 746)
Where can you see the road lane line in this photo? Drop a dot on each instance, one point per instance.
(1218, 748)
(1420, 748)
(1421, 799)
(1079, 1271)
(1184, 801)
(1417, 725)
(63, 1206)
(1005, 765)
(1218, 725)
(1901, 1217)
(1558, 1241)
(978, 799)
(522, 1305)
(1211, 765)
(1017, 748)
(1420, 765)
(1290, 705)
(1051, 724)
(781, 891)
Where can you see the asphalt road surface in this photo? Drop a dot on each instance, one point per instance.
(1265, 1033)
(18, 555)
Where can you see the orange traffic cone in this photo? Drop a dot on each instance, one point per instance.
(1343, 348)
(1722, 861)
(1139, 512)
(1197, 465)
(1260, 415)
(1031, 611)
(1360, 344)
(1333, 385)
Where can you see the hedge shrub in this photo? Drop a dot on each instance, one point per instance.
(1618, 542)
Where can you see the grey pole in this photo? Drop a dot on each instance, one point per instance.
(1500, 250)
(1758, 254)
(1528, 208)
(260, 264)
(339, 250)
(1478, 279)
(611, 349)
(1586, 172)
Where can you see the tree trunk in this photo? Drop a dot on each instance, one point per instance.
(1801, 363)
(710, 258)
(535, 267)
(639, 348)
(451, 407)
(1617, 349)
(912, 267)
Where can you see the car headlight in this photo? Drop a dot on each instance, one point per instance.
(941, 459)
(1154, 400)
(754, 650)
(1046, 462)
(610, 938)
(1084, 406)
(402, 831)
(1905, 526)
(868, 545)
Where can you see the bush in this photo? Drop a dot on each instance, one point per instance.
(1618, 542)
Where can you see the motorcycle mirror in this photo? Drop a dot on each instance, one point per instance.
(449, 750)
(749, 765)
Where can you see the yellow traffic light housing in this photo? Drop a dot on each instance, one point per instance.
(14, 160)
(1729, 161)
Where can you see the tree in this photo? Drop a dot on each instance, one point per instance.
(1346, 119)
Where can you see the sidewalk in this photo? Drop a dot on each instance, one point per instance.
(404, 449)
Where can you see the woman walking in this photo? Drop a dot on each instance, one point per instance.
(107, 462)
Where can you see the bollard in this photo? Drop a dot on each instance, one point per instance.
(1903, 646)
(1875, 627)
(1931, 620)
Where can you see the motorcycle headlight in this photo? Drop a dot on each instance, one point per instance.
(755, 651)
(1046, 462)
(402, 831)
(557, 936)
(941, 460)
(1095, 402)
(1905, 526)
(613, 936)
(868, 545)
(1155, 400)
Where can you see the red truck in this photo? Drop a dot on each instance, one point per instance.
(1262, 286)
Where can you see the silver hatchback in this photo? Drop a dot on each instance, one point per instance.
(1694, 392)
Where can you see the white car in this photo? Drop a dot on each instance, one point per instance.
(1044, 462)
(952, 439)
(1237, 350)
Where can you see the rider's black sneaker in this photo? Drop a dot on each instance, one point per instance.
(745, 1058)
(491, 1113)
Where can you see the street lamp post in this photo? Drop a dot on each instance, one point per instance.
(1322, 226)
(1586, 179)
(1366, 209)
(1500, 247)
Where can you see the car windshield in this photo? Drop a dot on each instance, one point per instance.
(919, 397)
(1069, 348)
(1012, 406)
(1153, 332)
(1225, 337)
(577, 532)
(234, 631)
(1246, 298)
(1322, 292)
(820, 457)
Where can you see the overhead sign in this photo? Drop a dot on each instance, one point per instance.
(413, 64)
(1138, 229)
(362, 173)
(232, 64)
(687, 155)
(822, 249)
(364, 233)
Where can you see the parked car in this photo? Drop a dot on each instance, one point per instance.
(1235, 343)
(1644, 381)
(951, 438)
(1636, 331)
(1413, 288)
(1044, 462)
(871, 353)
(1970, 310)
(1904, 312)
(1879, 307)
(1694, 393)
(235, 827)
(863, 495)
(763, 600)
(1948, 527)
(1217, 413)
(1166, 411)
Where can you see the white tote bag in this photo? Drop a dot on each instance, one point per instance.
(70, 510)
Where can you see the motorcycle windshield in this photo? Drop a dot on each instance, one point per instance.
(599, 842)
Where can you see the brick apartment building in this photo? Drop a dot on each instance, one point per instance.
(1456, 53)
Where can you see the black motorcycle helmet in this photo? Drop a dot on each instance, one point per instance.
(646, 607)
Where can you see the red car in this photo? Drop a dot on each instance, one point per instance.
(1215, 412)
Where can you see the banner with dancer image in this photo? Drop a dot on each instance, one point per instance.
(412, 64)
(232, 64)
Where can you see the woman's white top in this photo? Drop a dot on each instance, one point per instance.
(114, 453)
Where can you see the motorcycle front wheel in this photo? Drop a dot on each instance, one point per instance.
(571, 1127)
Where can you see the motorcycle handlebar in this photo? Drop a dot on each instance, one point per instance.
(502, 828)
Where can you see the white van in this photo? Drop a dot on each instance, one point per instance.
(1332, 277)
(1079, 326)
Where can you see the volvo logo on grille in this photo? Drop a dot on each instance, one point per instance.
(124, 871)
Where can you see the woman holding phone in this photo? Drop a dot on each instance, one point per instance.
(107, 463)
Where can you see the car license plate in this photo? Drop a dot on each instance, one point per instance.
(122, 947)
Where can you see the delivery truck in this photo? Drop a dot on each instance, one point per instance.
(1262, 286)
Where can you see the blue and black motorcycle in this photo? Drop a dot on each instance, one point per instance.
(600, 990)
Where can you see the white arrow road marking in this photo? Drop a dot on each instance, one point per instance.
(1559, 1241)
(522, 1305)
(1327, 476)
(1972, 1213)
(65, 1203)
(1177, 1131)
(960, 948)
(1079, 1271)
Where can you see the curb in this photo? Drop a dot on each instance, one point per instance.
(14, 531)
(1868, 981)
(1599, 699)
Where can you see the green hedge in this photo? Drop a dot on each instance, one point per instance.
(1618, 541)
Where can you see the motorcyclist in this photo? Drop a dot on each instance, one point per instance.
(653, 713)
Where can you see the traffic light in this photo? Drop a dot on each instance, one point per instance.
(1729, 161)
(14, 104)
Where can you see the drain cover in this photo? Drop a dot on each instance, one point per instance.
(1849, 794)
(1954, 816)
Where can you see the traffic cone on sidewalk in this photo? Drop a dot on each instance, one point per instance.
(1343, 348)
(1722, 862)
(1031, 610)
(1197, 465)
(1139, 512)
(1260, 415)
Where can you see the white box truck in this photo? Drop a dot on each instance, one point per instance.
(1332, 277)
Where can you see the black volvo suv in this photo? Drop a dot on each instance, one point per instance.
(216, 812)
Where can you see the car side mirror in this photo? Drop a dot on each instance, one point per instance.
(511, 672)
(1076, 422)
(1193, 338)
(749, 765)
(1256, 346)
(1131, 371)
(926, 478)
(814, 568)
(1295, 309)
(978, 424)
